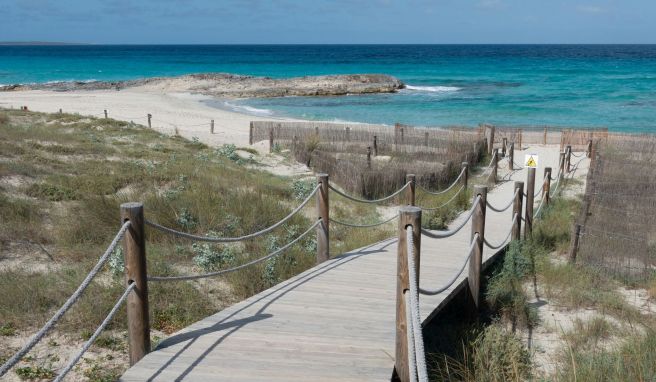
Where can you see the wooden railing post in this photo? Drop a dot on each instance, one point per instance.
(465, 175)
(212, 126)
(476, 260)
(490, 140)
(561, 162)
(323, 233)
(495, 165)
(348, 134)
(589, 150)
(520, 139)
(546, 188)
(134, 246)
(271, 140)
(150, 117)
(375, 145)
(504, 145)
(60, 111)
(569, 158)
(411, 188)
(517, 209)
(409, 216)
(511, 157)
(545, 135)
(574, 245)
(250, 133)
(103, 110)
(530, 190)
(369, 157)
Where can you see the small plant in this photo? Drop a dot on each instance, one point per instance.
(51, 192)
(186, 219)
(301, 188)
(110, 342)
(7, 330)
(116, 262)
(229, 151)
(209, 259)
(96, 373)
(31, 373)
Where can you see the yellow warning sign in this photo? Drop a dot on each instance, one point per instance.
(531, 161)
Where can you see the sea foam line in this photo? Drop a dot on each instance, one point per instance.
(433, 89)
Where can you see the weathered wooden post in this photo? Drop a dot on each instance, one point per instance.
(134, 246)
(517, 210)
(412, 179)
(504, 144)
(150, 116)
(60, 111)
(569, 158)
(495, 166)
(212, 126)
(323, 234)
(490, 140)
(250, 133)
(369, 157)
(511, 157)
(589, 150)
(375, 146)
(561, 163)
(409, 216)
(426, 138)
(271, 140)
(530, 190)
(476, 259)
(348, 134)
(546, 188)
(520, 139)
(465, 174)
(545, 135)
(574, 245)
(105, 113)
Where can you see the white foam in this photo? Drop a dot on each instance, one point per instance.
(433, 89)
(247, 109)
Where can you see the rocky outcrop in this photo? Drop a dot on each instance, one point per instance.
(237, 86)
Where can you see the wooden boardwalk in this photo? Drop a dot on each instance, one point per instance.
(333, 322)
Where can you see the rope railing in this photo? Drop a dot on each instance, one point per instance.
(354, 199)
(445, 203)
(67, 305)
(462, 172)
(355, 225)
(448, 284)
(212, 239)
(69, 366)
(502, 209)
(238, 267)
(451, 232)
(412, 295)
(505, 240)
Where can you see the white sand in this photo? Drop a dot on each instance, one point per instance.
(169, 110)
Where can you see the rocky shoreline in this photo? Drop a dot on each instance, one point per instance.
(237, 86)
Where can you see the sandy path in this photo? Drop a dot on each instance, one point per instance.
(169, 111)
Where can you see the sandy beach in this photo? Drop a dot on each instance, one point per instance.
(170, 111)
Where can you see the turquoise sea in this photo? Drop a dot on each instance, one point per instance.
(610, 86)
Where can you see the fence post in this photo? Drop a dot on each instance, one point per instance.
(504, 143)
(569, 158)
(476, 260)
(369, 157)
(490, 140)
(323, 234)
(495, 165)
(250, 133)
(348, 134)
(409, 216)
(150, 116)
(545, 135)
(589, 150)
(574, 246)
(517, 209)
(104, 111)
(511, 157)
(520, 139)
(561, 162)
(271, 140)
(60, 110)
(530, 189)
(212, 126)
(465, 175)
(546, 188)
(134, 246)
(375, 146)
(411, 188)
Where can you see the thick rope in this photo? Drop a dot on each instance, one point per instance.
(95, 335)
(489, 166)
(419, 186)
(422, 374)
(536, 214)
(501, 209)
(410, 343)
(433, 292)
(354, 225)
(234, 239)
(233, 269)
(446, 203)
(352, 198)
(505, 240)
(67, 305)
(451, 232)
(578, 156)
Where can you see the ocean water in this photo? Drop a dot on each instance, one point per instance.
(610, 86)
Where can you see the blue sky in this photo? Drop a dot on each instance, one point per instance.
(323, 21)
